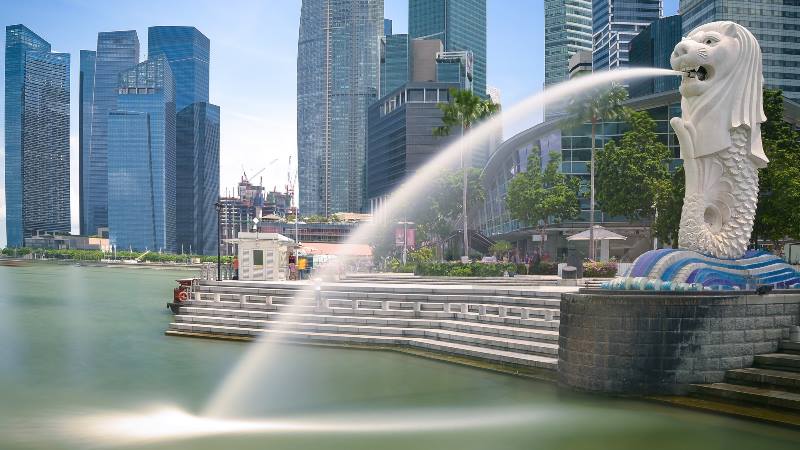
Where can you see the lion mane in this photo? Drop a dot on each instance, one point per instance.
(733, 101)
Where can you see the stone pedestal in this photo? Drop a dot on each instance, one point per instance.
(659, 343)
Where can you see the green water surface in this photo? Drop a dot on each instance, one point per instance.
(85, 340)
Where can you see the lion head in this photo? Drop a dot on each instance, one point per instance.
(722, 86)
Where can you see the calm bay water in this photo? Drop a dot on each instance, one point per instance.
(82, 340)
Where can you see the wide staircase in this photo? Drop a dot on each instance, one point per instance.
(506, 325)
(770, 389)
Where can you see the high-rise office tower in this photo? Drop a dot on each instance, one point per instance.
(141, 159)
(614, 24)
(776, 25)
(459, 24)
(337, 79)
(198, 122)
(567, 31)
(88, 59)
(116, 51)
(36, 137)
(653, 47)
(394, 60)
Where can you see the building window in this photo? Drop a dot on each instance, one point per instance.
(258, 257)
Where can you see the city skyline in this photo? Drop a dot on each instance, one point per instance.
(253, 134)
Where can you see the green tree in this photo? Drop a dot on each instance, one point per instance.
(438, 212)
(542, 197)
(597, 106)
(500, 248)
(464, 109)
(778, 215)
(669, 204)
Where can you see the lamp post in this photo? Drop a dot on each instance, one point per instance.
(218, 205)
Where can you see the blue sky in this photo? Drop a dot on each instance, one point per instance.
(253, 61)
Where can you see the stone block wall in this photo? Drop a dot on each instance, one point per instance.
(659, 343)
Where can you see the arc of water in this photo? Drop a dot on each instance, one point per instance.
(234, 387)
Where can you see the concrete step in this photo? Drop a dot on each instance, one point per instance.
(504, 343)
(470, 317)
(749, 394)
(781, 361)
(498, 330)
(489, 354)
(231, 292)
(790, 347)
(765, 378)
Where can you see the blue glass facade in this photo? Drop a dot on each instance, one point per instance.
(776, 25)
(188, 52)
(141, 159)
(197, 178)
(116, 51)
(197, 148)
(652, 48)
(85, 99)
(337, 79)
(459, 24)
(614, 24)
(36, 137)
(394, 62)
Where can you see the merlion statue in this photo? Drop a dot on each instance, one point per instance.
(720, 137)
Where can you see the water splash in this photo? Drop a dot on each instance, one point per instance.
(233, 389)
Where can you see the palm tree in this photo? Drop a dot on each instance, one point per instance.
(598, 106)
(464, 109)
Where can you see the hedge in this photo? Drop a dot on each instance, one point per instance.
(597, 269)
(457, 269)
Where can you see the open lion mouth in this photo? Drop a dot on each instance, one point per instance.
(699, 73)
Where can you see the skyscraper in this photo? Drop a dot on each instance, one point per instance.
(188, 51)
(36, 137)
(116, 51)
(567, 31)
(197, 128)
(459, 24)
(653, 48)
(88, 59)
(141, 158)
(197, 178)
(337, 79)
(774, 23)
(394, 61)
(614, 24)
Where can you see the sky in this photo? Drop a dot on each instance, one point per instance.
(253, 66)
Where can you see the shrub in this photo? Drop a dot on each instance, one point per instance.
(522, 269)
(598, 269)
(544, 268)
(457, 269)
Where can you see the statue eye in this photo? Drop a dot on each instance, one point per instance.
(710, 41)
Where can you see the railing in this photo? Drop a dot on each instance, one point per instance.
(208, 272)
(323, 304)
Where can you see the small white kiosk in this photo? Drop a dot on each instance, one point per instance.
(263, 256)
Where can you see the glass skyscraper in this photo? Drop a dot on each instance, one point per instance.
(188, 52)
(567, 30)
(394, 62)
(36, 137)
(197, 178)
(141, 159)
(776, 25)
(88, 59)
(337, 79)
(614, 24)
(459, 24)
(198, 122)
(653, 48)
(116, 51)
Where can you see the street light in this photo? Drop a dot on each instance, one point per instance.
(218, 205)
